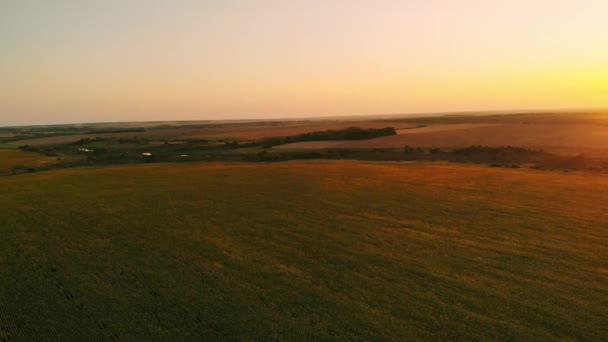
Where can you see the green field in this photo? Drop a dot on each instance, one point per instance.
(303, 251)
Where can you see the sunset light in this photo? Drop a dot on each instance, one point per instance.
(65, 61)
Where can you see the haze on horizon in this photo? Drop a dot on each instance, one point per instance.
(134, 60)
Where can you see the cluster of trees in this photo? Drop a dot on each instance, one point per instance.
(84, 141)
(133, 140)
(480, 149)
(352, 133)
(498, 155)
(47, 151)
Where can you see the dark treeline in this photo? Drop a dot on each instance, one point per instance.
(124, 150)
(512, 157)
(352, 133)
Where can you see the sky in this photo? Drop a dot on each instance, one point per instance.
(68, 61)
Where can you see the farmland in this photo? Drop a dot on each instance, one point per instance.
(319, 250)
(566, 141)
(562, 138)
(303, 171)
(234, 131)
(10, 158)
(186, 231)
(563, 133)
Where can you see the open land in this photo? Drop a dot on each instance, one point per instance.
(10, 158)
(400, 230)
(557, 137)
(303, 250)
(552, 141)
(565, 133)
(233, 132)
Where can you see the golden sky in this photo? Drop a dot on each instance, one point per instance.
(132, 60)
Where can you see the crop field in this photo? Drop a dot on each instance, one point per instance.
(240, 132)
(333, 250)
(12, 157)
(259, 132)
(442, 128)
(556, 137)
(569, 134)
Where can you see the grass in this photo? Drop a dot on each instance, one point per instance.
(13, 157)
(303, 251)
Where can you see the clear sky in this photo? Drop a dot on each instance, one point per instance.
(123, 60)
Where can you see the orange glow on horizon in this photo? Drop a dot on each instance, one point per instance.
(69, 62)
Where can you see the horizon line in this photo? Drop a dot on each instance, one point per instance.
(341, 117)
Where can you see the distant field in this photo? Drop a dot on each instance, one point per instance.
(441, 128)
(569, 137)
(229, 132)
(303, 251)
(566, 133)
(12, 157)
(266, 132)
